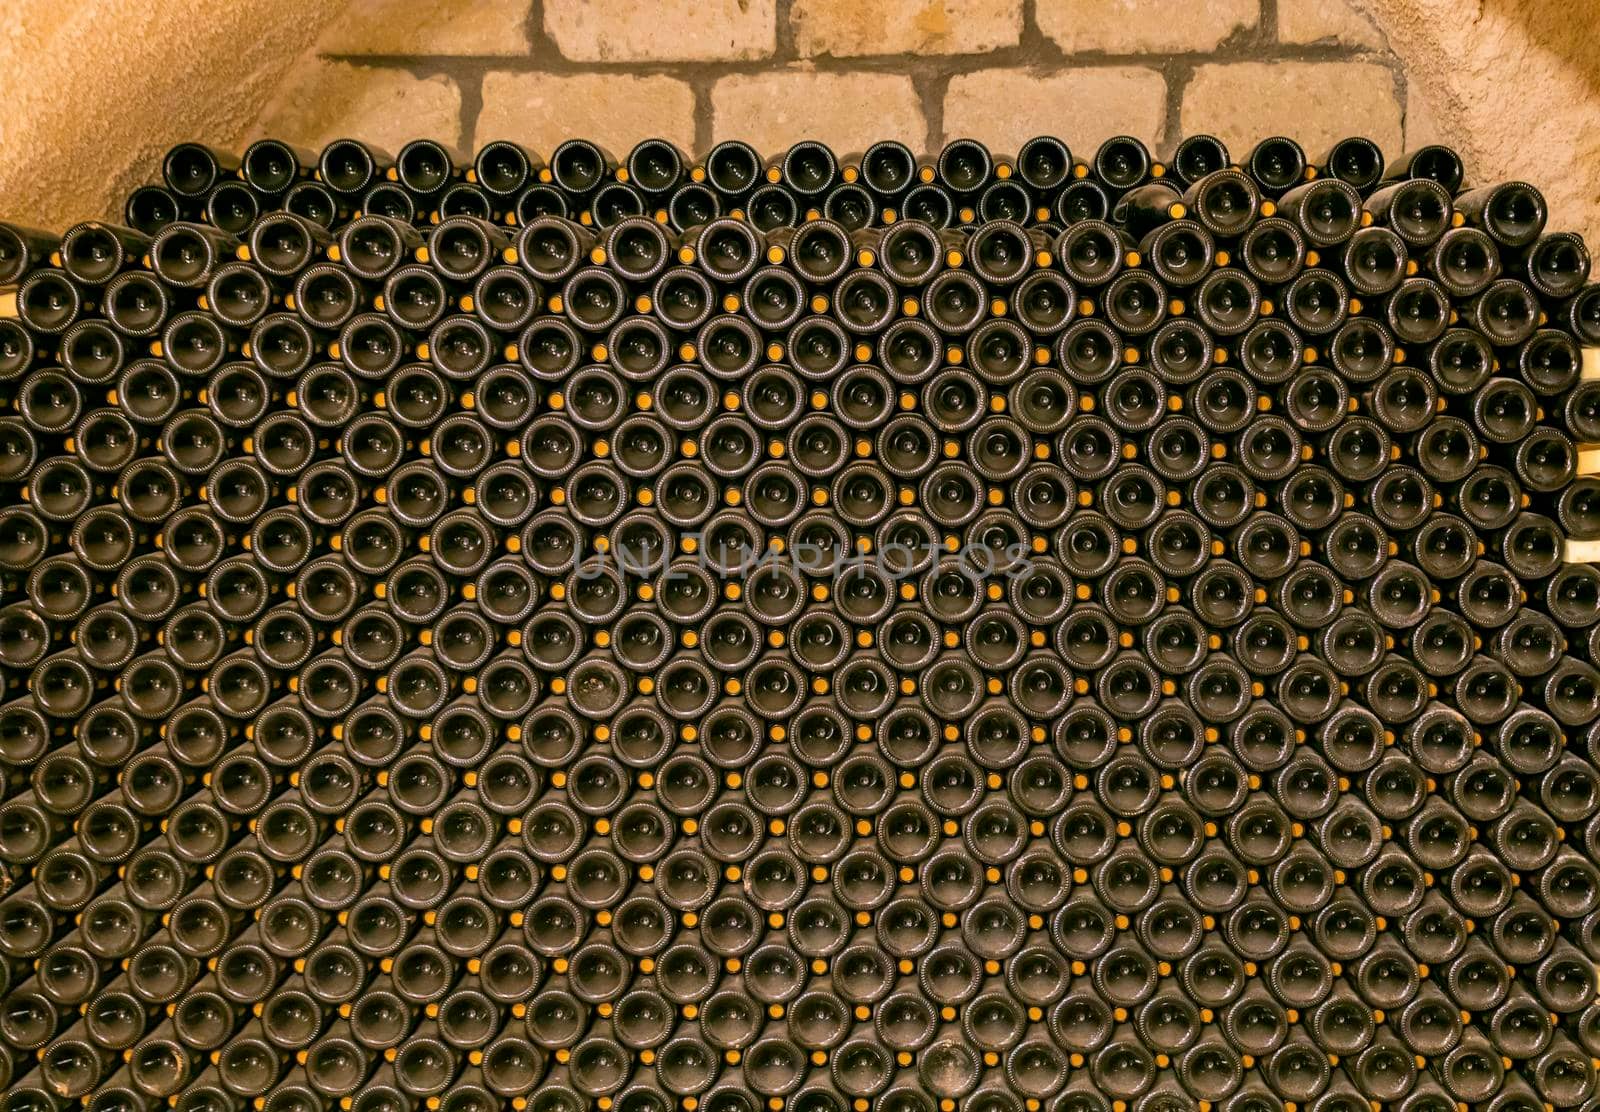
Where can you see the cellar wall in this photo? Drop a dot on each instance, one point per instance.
(95, 91)
(110, 84)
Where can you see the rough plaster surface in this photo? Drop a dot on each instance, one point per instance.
(90, 107)
(1515, 86)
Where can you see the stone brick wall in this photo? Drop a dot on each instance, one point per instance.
(846, 72)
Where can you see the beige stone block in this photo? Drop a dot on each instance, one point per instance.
(616, 110)
(1326, 22)
(850, 28)
(1314, 103)
(848, 111)
(323, 100)
(1006, 107)
(429, 27)
(662, 30)
(1144, 26)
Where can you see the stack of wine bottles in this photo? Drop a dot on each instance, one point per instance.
(811, 635)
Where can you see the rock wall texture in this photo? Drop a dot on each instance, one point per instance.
(1514, 85)
(109, 84)
(95, 91)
